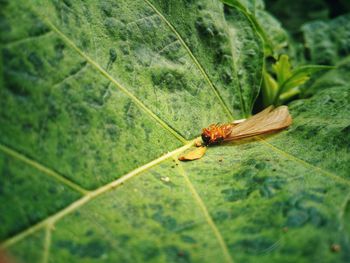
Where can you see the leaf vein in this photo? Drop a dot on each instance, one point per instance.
(206, 214)
(42, 168)
(27, 39)
(47, 243)
(305, 163)
(196, 62)
(72, 75)
(115, 82)
(88, 197)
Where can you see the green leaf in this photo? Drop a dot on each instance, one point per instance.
(300, 75)
(289, 81)
(269, 89)
(286, 96)
(274, 36)
(109, 89)
(331, 78)
(327, 42)
(283, 69)
(98, 98)
(294, 14)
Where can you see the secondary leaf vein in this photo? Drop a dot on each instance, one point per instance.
(27, 39)
(305, 163)
(47, 243)
(40, 167)
(115, 82)
(206, 214)
(196, 62)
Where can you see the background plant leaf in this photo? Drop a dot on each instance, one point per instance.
(294, 14)
(282, 69)
(301, 74)
(94, 93)
(274, 36)
(269, 88)
(327, 42)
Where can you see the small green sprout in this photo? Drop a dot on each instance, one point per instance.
(287, 81)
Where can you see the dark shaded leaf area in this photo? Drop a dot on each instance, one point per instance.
(97, 100)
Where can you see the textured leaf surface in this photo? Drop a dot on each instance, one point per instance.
(93, 93)
(275, 37)
(294, 14)
(328, 41)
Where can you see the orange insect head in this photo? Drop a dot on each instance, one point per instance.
(215, 133)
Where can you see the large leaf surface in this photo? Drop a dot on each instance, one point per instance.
(93, 93)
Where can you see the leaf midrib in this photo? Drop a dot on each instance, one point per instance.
(92, 195)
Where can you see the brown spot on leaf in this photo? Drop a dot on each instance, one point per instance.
(194, 155)
(335, 248)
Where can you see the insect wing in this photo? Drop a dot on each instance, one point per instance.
(268, 120)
